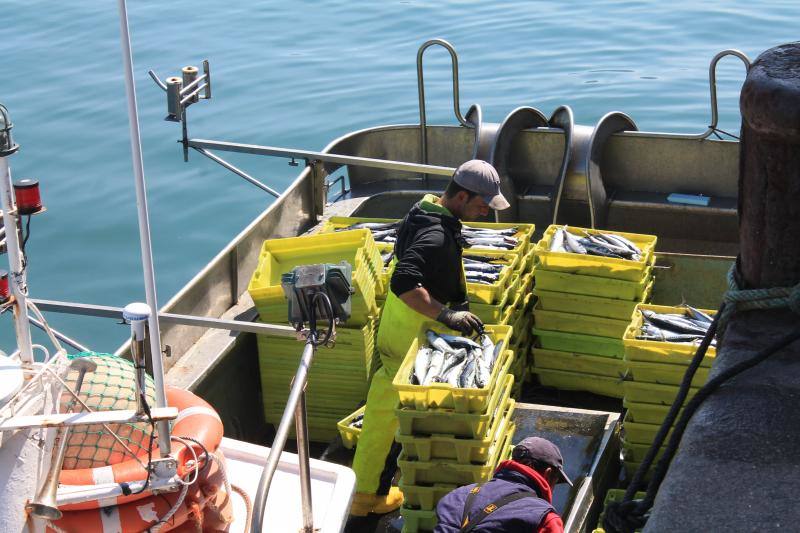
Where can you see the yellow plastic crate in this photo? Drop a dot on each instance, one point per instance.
(580, 324)
(593, 265)
(491, 313)
(450, 447)
(467, 425)
(424, 497)
(636, 452)
(555, 281)
(415, 520)
(657, 351)
(577, 362)
(646, 413)
(589, 305)
(574, 342)
(560, 379)
(639, 433)
(444, 395)
(350, 434)
(636, 391)
(451, 472)
(665, 374)
(523, 235)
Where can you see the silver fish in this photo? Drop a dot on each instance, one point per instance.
(624, 242)
(437, 361)
(487, 347)
(357, 422)
(467, 378)
(421, 364)
(571, 243)
(481, 267)
(499, 231)
(451, 361)
(483, 372)
(675, 324)
(698, 315)
(453, 376)
(624, 251)
(459, 342)
(437, 342)
(557, 243)
(372, 226)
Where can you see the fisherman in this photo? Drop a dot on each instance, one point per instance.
(427, 283)
(518, 498)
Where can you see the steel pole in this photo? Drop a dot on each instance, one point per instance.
(144, 228)
(16, 278)
(305, 469)
(298, 386)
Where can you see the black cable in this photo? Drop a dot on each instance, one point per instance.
(205, 452)
(312, 319)
(27, 233)
(628, 515)
(150, 444)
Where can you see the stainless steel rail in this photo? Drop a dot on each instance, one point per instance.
(295, 409)
(423, 139)
(239, 172)
(105, 311)
(60, 336)
(712, 83)
(309, 155)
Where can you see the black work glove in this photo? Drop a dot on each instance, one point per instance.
(462, 321)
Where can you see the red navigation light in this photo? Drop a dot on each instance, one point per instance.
(26, 192)
(3, 286)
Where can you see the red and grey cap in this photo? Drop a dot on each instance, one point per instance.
(542, 451)
(481, 178)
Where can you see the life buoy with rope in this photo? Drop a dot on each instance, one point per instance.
(197, 431)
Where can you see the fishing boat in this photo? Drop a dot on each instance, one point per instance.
(680, 187)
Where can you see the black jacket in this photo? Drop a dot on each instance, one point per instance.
(428, 252)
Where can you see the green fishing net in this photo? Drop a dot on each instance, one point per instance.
(112, 386)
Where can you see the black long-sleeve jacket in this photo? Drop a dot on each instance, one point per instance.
(428, 252)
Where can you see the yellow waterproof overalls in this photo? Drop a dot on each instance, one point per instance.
(398, 327)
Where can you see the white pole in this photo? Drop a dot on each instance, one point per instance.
(16, 276)
(144, 229)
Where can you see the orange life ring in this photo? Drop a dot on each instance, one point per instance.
(196, 419)
(207, 506)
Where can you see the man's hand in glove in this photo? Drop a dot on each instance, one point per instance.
(462, 321)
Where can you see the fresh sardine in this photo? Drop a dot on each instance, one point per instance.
(571, 243)
(437, 342)
(467, 378)
(676, 324)
(421, 364)
(451, 361)
(557, 243)
(453, 376)
(698, 315)
(459, 342)
(435, 367)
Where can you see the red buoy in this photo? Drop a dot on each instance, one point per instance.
(26, 192)
(3, 285)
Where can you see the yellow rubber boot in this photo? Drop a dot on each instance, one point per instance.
(364, 504)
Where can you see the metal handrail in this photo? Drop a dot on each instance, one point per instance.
(712, 82)
(325, 157)
(421, 91)
(295, 409)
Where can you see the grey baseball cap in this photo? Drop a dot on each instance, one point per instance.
(481, 178)
(543, 451)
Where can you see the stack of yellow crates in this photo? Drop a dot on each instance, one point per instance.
(508, 301)
(450, 436)
(339, 376)
(584, 305)
(656, 369)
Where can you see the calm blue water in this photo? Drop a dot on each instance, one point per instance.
(300, 74)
